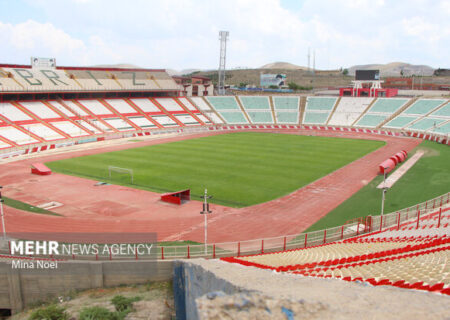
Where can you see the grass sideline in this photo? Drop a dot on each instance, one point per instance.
(238, 169)
(427, 179)
(26, 206)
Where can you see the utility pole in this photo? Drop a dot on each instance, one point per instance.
(223, 37)
(2, 214)
(205, 212)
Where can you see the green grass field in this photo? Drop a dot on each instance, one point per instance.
(239, 169)
(427, 179)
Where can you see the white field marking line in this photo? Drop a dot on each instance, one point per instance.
(402, 170)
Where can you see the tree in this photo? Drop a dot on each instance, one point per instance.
(345, 72)
(242, 85)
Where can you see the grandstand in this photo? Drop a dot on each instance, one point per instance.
(44, 109)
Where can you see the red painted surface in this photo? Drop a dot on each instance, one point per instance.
(90, 208)
(178, 197)
(40, 169)
(386, 166)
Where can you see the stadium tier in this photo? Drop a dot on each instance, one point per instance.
(413, 255)
(318, 109)
(40, 121)
(69, 79)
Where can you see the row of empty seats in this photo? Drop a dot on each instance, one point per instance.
(413, 255)
(23, 78)
(28, 122)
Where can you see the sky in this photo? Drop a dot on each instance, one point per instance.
(183, 34)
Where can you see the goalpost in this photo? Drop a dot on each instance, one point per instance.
(127, 171)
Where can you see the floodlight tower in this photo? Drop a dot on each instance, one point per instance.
(223, 37)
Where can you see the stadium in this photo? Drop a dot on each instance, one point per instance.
(200, 196)
(115, 150)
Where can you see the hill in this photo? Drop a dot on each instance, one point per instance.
(282, 65)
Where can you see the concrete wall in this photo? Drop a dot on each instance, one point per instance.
(211, 289)
(20, 287)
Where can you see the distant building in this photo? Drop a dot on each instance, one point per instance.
(194, 86)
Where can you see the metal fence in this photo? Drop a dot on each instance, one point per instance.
(361, 226)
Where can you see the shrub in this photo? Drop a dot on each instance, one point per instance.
(51, 312)
(124, 304)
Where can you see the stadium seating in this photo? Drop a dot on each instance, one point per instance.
(40, 110)
(233, 117)
(118, 124)
(186, 119)
(165, 121)
(142, 122)
(187, 104)
(223, 103)
(318, 109)
(287, 117)
(426, 124)
(70, 129)
(348, 110)
(255, 103)
(443, 129)
(121, 106)
(12, 113)
(380, 111)
(286, 103)
(400, 122)
(412, 255)
(43, 131)
(200, 103)
(423, 106)
(145, 105)
(169, 104)
(95, 107)
(17, 136)
(260, 116)
(444, 112)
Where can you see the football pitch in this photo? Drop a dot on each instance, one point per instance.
(238, 169)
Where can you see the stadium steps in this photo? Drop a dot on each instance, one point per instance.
(12, 124)
(74, 78)
(395, 114)
(84, 118)
(14, 79)
(67, 118)
(302, 106)
(167, 113)
(428, 114)
(11, 143)
(118, 114)
(47, 124)
(113, 77)
(243, 110)
(140, 111)
(212, 110)
(364, 112)
(189, 111)
(334, 110)
(94, 116)
(272, 109)
(152, 78)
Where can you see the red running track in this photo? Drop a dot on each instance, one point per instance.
(89, 208)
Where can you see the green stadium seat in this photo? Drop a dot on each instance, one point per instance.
(316, 117)
(371, 120)
(233, 117)
(224, 103)
(443, 111)
(287, 117)
(285, 103)
(423, 106)
(255, 103)
(444, 129)
(260, 116)
(426, 124)
(387, 105)
(319, 103)
(400, 122)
